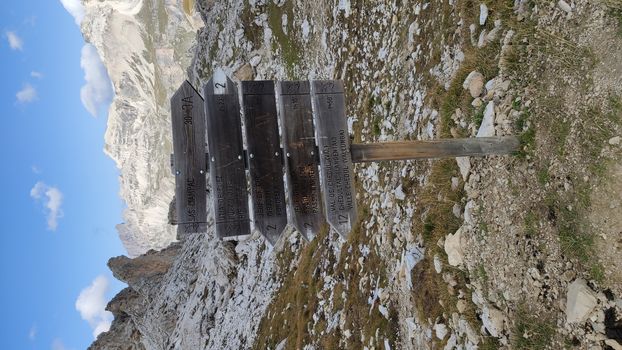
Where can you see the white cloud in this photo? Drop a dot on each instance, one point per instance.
(75, 8)
(32, 333)
(15, 42)
(36, 74)
(27, 94)
(52, 199)
(57, 344)
(35, 169)
(97, 92)
(91, 304)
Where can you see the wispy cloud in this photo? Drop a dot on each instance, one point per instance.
(52, 199)
(36, 74)
(75, 8)
(58, 344)
(32, 20)
(35, 169)
(32, 333)
(97, 92)
(27, 94)
(15, 42)
(91, 304)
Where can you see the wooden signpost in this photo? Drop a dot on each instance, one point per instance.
(334, 146)
(188, 162)
(265, 159)
(226, 158)
(300, 157)
(303, 161)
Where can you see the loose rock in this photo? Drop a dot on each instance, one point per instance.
(453, 248)
(441, 330)
(245, 72)
(580, 301)
(438, 265)
(564, 6)
(483, 14)
(493, 320)
(487, 128)
(613, 344)
(474, 82)
(464, 163)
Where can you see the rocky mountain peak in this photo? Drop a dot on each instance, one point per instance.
(146, 47)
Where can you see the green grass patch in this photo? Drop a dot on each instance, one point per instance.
(543, 175)
(597, 272)
(527, 141)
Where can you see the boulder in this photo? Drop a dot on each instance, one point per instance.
(245, 72)
(453, 248)
(493, 320)
(580, 301)
(474, 82)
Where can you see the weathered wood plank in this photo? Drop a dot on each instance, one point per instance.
(264, 158)
(335, 160)
(188, 122)
(480, 146)
(301, 160)
(227, 170)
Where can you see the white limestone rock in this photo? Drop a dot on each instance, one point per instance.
(564, 6)
(487, 128)
(493, 320)
(399, 193)
(464, 164)
(483, 14)
(580, 301)
(474, 82)
(441, 330)
(438, 264)
(453, 248)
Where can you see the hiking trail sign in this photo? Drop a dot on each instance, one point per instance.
(302, 175)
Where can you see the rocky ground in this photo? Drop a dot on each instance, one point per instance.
(514, 252)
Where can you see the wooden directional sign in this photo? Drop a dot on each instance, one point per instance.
(301, 158)
(336, 163)
(264, 158)
(188, 119)
(226, 158)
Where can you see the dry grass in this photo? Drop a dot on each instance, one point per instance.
(532, 331)
(434, 299)
(290, 316)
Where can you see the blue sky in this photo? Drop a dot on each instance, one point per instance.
(60, 201)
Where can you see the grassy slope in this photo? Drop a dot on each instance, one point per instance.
(551, 134)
